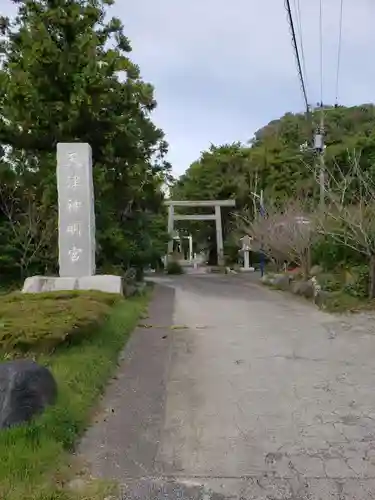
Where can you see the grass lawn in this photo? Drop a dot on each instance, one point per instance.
(78, 336)
(340, 302)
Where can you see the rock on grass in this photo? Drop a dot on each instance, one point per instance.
(26, 389)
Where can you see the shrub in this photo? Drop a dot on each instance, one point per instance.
(174, 267)
(360, 285)
(40, 322)
(330, 254)
(330, 282)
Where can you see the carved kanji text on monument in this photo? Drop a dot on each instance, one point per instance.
(76, 210)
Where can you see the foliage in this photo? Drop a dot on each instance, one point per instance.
(348, 217)
(284, 234)
(285, 168)
(275, 162)
(232, 247)
(40, 322)
(220, 173)
(331, 254)
(349, 214)
(280, 162)
(331, 282)
(360, 284)
(34, 460)
(66, 76)
(342, 302)
(174, 267)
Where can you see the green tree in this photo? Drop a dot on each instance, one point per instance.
(67, 76)
(223, 172)
(274, 162)
(285, 170)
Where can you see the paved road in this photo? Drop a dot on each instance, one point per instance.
(252, 394)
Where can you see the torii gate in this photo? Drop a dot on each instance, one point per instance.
(217, 204)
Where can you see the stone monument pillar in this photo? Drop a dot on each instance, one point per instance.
(76, 227)
(246, 259)
(76, 210)
(246, 248)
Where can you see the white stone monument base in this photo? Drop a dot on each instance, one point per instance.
(101, 282)
(247, 269)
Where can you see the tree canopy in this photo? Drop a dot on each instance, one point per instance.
(66, 76)
(275, 162)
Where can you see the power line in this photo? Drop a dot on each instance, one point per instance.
(339, 53)
(296, 53)
(321, 50)
(319, 136)
(297, 9)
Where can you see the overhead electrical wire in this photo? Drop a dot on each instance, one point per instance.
(339, 54)
(321, 50)
(297, 9)
(298, 48)
(296, 53)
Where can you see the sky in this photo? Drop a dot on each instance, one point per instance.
(223, 69)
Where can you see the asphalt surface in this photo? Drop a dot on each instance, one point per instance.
(232, 391)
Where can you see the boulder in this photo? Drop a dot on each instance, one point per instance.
(304, 288)
(268, 279)
(316, 270)
(141, 287)
(282, 281)
(130, 282)
(26, 389)
(321, 298)
(130, 289)
(130, 275)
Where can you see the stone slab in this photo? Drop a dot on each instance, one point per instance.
(101, 282)
(76, 210)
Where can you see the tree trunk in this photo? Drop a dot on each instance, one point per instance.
(306, 263)
(372, 277)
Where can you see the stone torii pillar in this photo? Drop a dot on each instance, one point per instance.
(219, 236)
(170, 229)
(190, 247)
(216, 204)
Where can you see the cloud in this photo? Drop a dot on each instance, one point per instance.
(222, 70)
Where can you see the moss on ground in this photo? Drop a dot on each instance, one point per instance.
(34, 459)
(41, 322)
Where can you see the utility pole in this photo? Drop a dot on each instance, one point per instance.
(319, 149)
(262, 213)
(262, 257)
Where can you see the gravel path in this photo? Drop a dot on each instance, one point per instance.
(250, 395)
